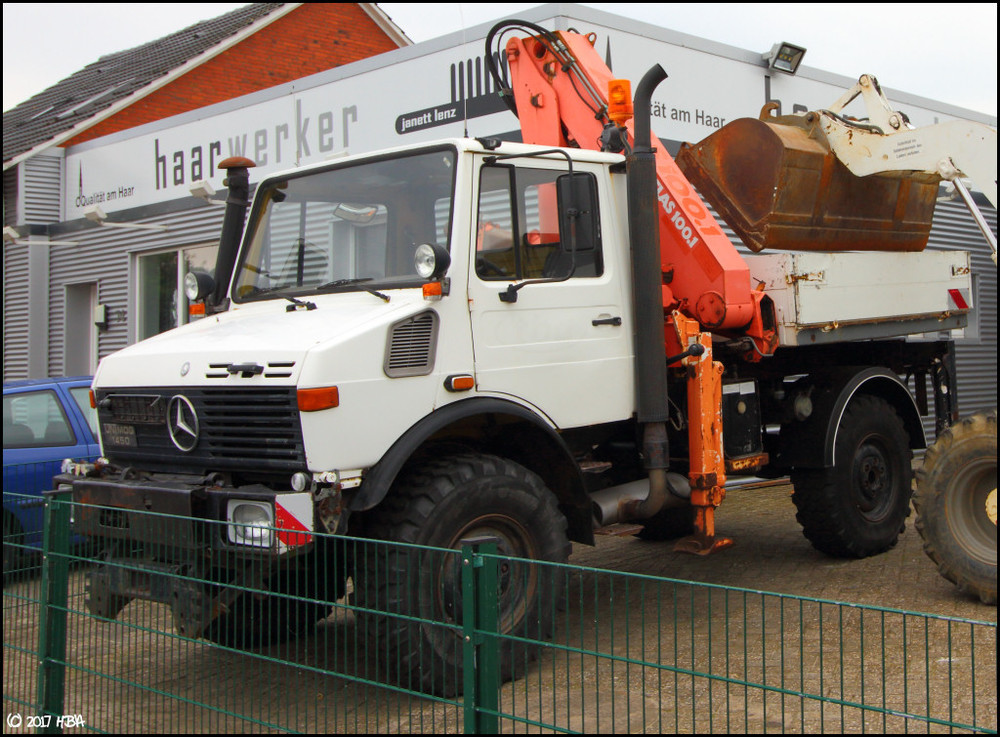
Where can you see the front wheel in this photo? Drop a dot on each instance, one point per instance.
(411, 598)
(956, 505)
(858, 507)
(285, 610)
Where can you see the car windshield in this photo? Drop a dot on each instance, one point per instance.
(353, 227)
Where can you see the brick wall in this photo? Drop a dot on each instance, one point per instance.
(312, 38)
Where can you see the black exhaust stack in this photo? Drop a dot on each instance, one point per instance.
(650, 346)
(238, 180)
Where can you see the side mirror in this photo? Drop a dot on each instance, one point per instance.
(579, 228)
(198, 285)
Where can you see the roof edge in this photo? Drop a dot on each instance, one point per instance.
(386, 23)
(155, 85)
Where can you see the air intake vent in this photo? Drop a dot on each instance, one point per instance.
(411, 346)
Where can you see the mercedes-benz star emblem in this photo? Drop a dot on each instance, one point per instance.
(182, 423)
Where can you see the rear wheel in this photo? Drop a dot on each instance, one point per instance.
(858, 507)
(413, 596)
(956, 505)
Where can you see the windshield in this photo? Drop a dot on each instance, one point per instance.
(354, 227)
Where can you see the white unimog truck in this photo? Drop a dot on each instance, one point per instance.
(530, 342)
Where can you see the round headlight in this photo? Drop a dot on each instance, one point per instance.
(190, 286)
(425, 260)
(197, 286)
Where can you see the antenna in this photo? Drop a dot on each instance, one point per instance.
(465, 97)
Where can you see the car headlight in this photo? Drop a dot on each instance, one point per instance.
(250, 523)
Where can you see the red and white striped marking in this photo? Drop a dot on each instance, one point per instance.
(293, 519)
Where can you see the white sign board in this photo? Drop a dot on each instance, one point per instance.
(424, 98)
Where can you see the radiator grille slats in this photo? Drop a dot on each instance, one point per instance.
(249, 428)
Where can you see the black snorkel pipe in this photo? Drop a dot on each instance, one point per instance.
(238, 180)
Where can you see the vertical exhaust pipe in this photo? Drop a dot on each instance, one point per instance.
(647, 281)
(238, 180)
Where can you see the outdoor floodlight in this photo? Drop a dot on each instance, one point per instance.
(203, 190)
(784, 57)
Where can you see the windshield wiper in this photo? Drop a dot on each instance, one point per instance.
(276, 291)
(355, 282)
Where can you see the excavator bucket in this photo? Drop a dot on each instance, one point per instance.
(778, 185)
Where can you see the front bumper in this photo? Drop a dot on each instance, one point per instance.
(173, 539)
(179, 518)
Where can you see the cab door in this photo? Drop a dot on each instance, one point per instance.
(551, 326)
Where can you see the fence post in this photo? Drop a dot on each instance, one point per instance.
(480, 640)
(55, 598)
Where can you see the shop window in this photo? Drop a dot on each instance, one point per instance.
(161, 302)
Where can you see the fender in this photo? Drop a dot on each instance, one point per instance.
(812, 444)
(497, 426)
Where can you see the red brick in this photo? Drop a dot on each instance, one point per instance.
(312, 38)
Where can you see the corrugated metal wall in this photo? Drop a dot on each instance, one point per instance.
(10, 195)
(15, 311)
(102, 256)
(41, 196)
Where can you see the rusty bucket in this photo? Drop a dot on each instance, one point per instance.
(777, 184)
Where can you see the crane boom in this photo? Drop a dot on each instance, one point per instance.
(559, 84)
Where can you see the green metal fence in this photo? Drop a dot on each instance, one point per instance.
(358, 640)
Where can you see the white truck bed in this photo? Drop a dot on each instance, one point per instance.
(828, 297)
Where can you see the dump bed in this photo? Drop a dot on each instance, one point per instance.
(779, 186)
(829, 297)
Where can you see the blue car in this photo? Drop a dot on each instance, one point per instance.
(44, 422)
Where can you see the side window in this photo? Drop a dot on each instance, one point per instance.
(81, 395)
(518, 235)
(33, 420)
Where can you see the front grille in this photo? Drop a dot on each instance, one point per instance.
(247, 429)
(138, 409)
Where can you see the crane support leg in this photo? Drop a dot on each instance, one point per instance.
(707, 463)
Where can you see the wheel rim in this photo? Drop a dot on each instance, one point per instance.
(518, 582)
(965, 509)
(874, 479)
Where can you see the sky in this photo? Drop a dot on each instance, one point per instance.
(945, 52)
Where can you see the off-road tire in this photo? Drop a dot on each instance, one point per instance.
(258, 619)
(957, 475)
(410, 599)
(859, 507)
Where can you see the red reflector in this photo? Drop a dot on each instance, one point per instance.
(93, 399)
(313, 400)
(958, 299)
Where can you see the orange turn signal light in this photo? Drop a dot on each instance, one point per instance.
(459, 382)
(620, 101)
(313, 400)
(433, 289)
(93, 399)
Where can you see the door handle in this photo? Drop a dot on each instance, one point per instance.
(616, 321)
